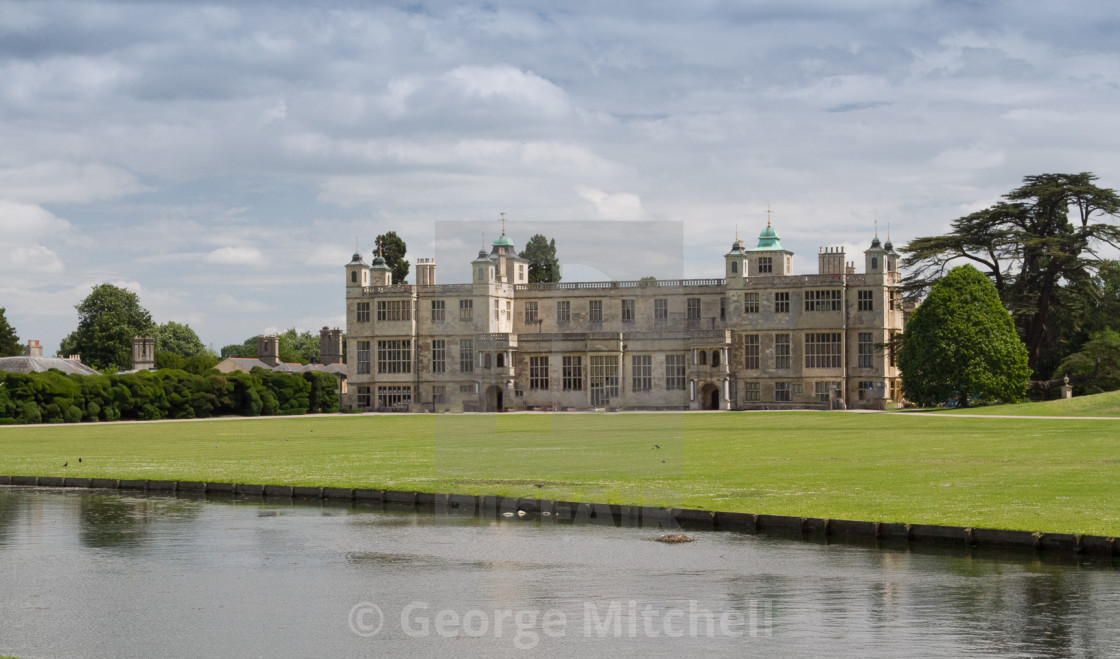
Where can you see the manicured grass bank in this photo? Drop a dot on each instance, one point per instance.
(1107, 404)
(1028, 474)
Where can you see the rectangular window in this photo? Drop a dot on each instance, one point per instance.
(394, 397)
(865, 389)
(497, 313)
(750, 302)
(823, 390)
(573, 373)
(781, 352)
(660, 309)
(781, 392)
(893, 348)
(363, 312)
(394, 356)
(723, 308)
(466, 388)
(642, 372)
(363, 358)
(438, 308)
(595, 311)
(628, 311)
(466, 355)
(795, 388)
(865, 300)
(781, 302)
(466, 309)
(866, 350)
(363, 398)
(394, 309)
(439, 355)
(439, 394)
(564, 311)
(693, 308)
(822, 350)
(822, 300)
(530, 312)
(765, 264)
(603, 379)
(674, 372)
(752, 392)
(752, 351)
(538, 372)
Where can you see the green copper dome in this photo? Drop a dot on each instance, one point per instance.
(768, 241)
(503, 241)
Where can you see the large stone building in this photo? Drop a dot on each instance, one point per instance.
(760, 337)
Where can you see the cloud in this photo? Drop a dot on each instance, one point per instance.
(617, 206)
(236, 256)
(64, 182)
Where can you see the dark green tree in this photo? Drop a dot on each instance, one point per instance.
(1039, 247)
(179, 339)
(9, 342)
(393, 250)
(1096, 367)
(961, 343)
(108, 318)
(543, 264)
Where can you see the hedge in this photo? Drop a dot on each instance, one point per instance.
(55, 397)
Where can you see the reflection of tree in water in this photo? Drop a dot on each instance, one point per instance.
(110, 521)
(8, 505)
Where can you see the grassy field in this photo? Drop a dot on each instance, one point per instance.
(1098, 405)
(1033, 474)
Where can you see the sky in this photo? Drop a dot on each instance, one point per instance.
(223, 161)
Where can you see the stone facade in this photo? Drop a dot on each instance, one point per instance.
(758, 338)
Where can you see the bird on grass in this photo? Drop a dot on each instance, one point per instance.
(66, 464)
(538, 485)
(656, 446)
(79, 459)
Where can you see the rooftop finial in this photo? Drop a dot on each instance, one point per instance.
(876, 228)
(503, 223)
(888, 232)
(768, 211)
(357, 248)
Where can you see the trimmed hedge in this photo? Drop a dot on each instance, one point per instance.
(55, 397)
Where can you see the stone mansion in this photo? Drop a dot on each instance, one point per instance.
(760, 337)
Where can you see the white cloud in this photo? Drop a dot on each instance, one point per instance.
(617, 206)
(65, 182)
(236, 256)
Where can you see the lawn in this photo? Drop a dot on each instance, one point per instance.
(1032, 474)
(1107, 404)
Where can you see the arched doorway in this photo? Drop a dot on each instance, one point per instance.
(709, 397)
(494, 399)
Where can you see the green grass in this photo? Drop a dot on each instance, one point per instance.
(1107, 404)
(1032, 474)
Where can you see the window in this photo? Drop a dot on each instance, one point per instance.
(466, 355)
(715, 358)
(822, 300)
(765, 264)
(781, 392)
(500, 362)
(363, 358)
(893, 348)
(865, 389)
(781, 302)
(354, 280)
(595, 311)
(394, 309)
(702, 358)
(439, 355)
(439, 395)
(466, 309)
(874, 263)
(603, 379)
(723, 308)
(520, 272)
(734, 267)
(628, 311)
(750, 302)
(674, 372)
(660, 309)
(538, 372)
(823, 390)
(752, 392)
(895, 298)
(363, 312)
(752, 352)
(693, 308)
(363, 397)
(795, 388)
(509, 309)
(530, 312)
(781, 352)
(486, 361)
(822, 350)
(438, 308)
(466, 388)
(865, 300)
(866, 350)
(390, 397)
(564, 311)
(496, 312)
(394, 356)
(573, 373)
(642, 372)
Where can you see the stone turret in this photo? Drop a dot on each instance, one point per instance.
(143, 353)
(425, 272)
(875, 258)
(268, 349)
(330, 346)
(830, 261)
(735, 262)
(357, 273)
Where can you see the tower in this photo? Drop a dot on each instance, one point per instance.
(425, 272)
(875, 257)
(770, 258)
(268, 349)
(330, 346)
(143, 353)
(357, 274)
(735, 262)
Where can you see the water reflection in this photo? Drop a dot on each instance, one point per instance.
(132, 575)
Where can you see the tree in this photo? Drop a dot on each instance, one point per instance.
(1039, 259)
(108, 318)
(1096, 367)
(961, 343)
(9, 342)
(179, 339)
(393, 249)
(543, 264)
